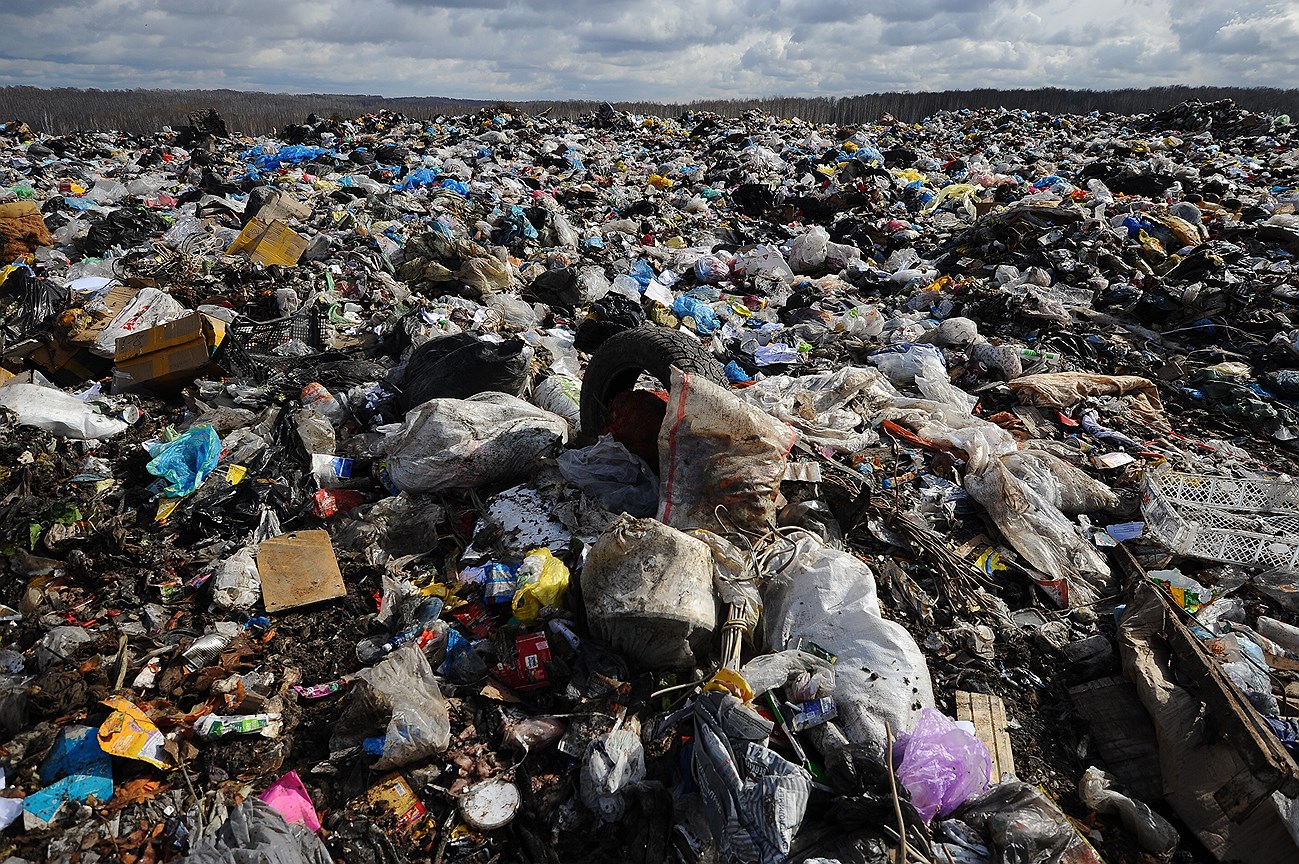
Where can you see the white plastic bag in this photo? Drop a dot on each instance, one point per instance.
(58, 412)
(236, 583)
(1153, 832)
(764, 261)
(560, 394)
(613, 764)
(902, 363)
(933, 383)
(466, 443)
(829, 597)
(717, 451)
(149, 308)
(840, 402)
(807, 252)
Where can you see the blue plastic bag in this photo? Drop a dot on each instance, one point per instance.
(705, 317)
(186, 462)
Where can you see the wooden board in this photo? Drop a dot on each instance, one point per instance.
(988, 714)
(297, 569)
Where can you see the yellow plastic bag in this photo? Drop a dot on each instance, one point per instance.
(542, 581)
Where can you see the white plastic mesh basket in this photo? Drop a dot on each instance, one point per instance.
(1248, 521)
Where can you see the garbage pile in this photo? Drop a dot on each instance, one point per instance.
(496, 488)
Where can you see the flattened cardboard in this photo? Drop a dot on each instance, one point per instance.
(271, 242)
(102, 311)
(283, 207)
(298, 569)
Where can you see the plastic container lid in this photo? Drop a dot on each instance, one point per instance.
(490, 804)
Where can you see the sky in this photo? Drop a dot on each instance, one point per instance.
(661, 50)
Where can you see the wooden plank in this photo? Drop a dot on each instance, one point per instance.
(988, 715)
(297, 569)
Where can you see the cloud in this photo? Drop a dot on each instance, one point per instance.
(671, 50)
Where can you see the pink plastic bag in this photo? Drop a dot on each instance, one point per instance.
(288, 797)
(942, 766)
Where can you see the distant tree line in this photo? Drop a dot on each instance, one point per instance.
(63, 110)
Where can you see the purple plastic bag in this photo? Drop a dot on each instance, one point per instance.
(942, 766)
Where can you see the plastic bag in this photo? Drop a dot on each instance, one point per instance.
(840, 403)
(186, 462)
(829, 597)
(701, 313)
(1042, 534)
(466, 443)
(864, 322)
(1023, 824)
(402, 692)
(236, 582)
(613, 764)
(149, 308)
(784, 668)
(807, 252)
(542, 581)
(942, 765)
(957, 332)
(648, 591)
(764, 260)
(902, 363)
(933, 383)
(487, 275)
(718, 452)
(460, 366)
(316, 433)
(620, 480)
(710, 269)
(1067, 488)
(1153, 832)
(560, 394)
(58, 412)
(255, 831)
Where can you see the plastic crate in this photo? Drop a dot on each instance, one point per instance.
(249, 348)
(1254, 539)
(1248, 494)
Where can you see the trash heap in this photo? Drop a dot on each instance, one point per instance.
(494, 488)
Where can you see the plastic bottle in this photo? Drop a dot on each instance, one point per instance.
(315, 397)
(377, 647)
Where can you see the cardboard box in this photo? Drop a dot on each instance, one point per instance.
(167, 355)
(67, 366)
(271, 242)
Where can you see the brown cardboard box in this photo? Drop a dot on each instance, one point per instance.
(271, 242)
(168, 355)
(67, 365)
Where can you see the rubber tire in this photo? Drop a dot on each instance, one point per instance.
(623, 357)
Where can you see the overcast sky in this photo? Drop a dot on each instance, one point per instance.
(670, 50)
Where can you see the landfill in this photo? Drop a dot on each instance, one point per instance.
(498, 488)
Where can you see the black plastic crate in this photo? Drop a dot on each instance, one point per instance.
(248, 350)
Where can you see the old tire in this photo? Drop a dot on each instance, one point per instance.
(622, 359)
